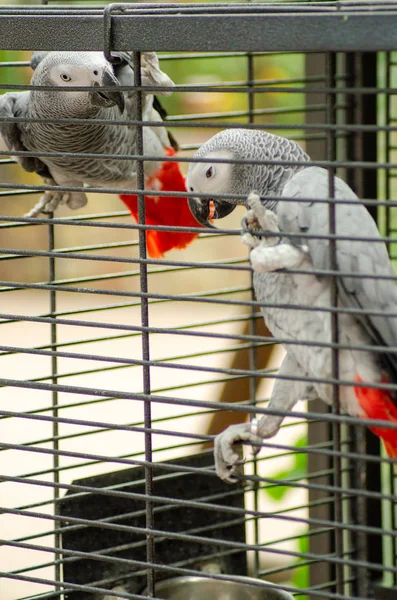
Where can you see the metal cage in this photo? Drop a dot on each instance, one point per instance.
(114, 365)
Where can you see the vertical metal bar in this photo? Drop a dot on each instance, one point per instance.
(394, 520)
(145, 335)
(253, 382)
(387, 144)
(388, 233)
(319, 433)
(54, 379)
(390, 518)
(350, 174)
(355, 473)
(333, 265)
(368, 511)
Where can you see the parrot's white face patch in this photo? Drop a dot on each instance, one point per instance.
(211, 178)
(72, 75)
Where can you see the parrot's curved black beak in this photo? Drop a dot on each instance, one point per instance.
(108, 98)
(204, 209)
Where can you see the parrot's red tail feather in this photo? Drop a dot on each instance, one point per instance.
(379, 405)
(165, 210)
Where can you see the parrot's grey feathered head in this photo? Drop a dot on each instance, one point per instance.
(212, 178)
(74, 69)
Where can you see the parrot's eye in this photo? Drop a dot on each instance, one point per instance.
(95, 72)
(209, 172)
(65, 77)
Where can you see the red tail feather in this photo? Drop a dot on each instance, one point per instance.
(379, 405)
(165, 210)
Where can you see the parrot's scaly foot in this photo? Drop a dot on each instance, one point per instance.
(257, 222)
(267, 253)
(227, 461)
(266, 218)
(267, 259)
(48, 202)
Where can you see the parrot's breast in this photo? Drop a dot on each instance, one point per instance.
(86, 139)
(294, 309)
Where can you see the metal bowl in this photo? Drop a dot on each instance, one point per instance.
(204, 588)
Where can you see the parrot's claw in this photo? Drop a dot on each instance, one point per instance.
(227, 461)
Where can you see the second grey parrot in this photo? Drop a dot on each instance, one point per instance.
(287, 200)
(89, 69)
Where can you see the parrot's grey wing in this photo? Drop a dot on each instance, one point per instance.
(14, 104)
(36, 58)
(363, 258)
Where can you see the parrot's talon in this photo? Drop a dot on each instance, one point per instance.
(255, 432)
(32, 213)
(239, 462)
(227, 461)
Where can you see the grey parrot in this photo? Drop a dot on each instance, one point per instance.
(63, 69)
(91, 69)
(286, 200)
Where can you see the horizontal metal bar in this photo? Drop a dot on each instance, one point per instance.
(130, 461)
(202, 298)
(235, 407)
(169, 569)
(163, 362)
(205, 503)
(196, 539)
(288, 28)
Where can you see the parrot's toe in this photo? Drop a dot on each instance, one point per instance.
(250, 240)
(47, 204)
(51, 201)
(76, 200)
(251, 229)
(228, 461)
(254, 202)
(261, 217)
(249, 221)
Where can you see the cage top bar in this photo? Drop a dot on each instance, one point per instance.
(213, 28)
